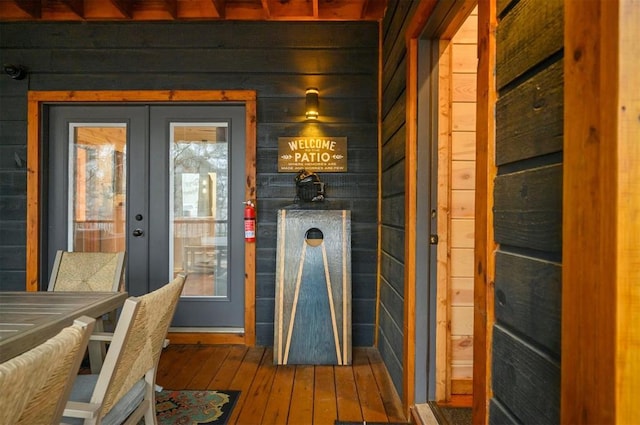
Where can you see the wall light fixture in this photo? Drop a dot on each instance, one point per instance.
(312, 103)
(17, 72)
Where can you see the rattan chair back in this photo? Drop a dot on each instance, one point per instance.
(135, 350)
(35, 386)
(88, 271)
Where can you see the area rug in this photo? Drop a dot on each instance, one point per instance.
(195, 407)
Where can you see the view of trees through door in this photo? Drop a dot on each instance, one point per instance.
(199, 164)
(97, 189)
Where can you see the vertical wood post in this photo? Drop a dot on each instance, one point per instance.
(484, 264)
(601, 202)
(628, 251)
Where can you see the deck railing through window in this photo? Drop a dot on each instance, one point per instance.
(109, 235)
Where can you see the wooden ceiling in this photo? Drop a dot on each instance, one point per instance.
(151, 10)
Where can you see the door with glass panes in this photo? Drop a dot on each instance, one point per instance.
(165, 184)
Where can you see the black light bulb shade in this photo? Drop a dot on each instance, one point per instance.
(17, 72)
(311, 110)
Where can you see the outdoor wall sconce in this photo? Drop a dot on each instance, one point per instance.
(312, 103)
(17, 72)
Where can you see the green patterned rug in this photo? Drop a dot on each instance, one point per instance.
(194, 407)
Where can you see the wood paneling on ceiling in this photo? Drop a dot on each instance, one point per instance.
(149, 10)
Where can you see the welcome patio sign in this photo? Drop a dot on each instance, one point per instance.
(326, 154)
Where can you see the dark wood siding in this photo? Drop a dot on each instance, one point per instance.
(278, 60)
(528, 213)
(391, 308)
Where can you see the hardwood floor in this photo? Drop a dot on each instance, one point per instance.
(296, 395)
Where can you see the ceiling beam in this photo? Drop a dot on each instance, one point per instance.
(266, 9)
(150, 10)
(124, 6)
(76, 6)
(219, 6)
(32, 7)
(171, 6)
(365, 8)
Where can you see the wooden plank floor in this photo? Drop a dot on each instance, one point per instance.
(297, 395)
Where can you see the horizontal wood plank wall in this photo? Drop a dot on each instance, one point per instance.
(277, 59)
(464, 65)
(391, 314)
(528, 213)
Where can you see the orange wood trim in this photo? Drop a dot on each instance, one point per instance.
(589, 228)
(35, 101)
(441, 55)
(410, 226)
(461, 387)
(600, 378)
(485, 247)
(144, 96)
(419, 20)
(628, 203)
(33, 194)
(458, 401)
(463, 12)
(204, 338)
(250, 247)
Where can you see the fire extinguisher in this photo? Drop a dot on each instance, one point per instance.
(249, 221)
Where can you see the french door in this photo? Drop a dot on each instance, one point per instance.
(165, 183)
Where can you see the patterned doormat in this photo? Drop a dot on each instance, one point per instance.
(195, 407)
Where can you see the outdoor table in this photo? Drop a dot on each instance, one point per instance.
(28, 319)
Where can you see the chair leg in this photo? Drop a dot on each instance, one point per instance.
(150, 411)
(97, 349)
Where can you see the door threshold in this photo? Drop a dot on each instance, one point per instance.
(207, 336)
(215, 330)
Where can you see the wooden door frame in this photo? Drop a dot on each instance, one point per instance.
(447, 27)
(600, 375)
(601, 233)
(36, 101)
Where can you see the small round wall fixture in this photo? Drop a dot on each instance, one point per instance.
(17, 72)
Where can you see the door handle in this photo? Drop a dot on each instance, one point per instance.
(138, 232)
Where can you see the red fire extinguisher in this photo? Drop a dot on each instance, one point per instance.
(249, 221)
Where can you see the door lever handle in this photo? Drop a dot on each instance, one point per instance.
(137, 233)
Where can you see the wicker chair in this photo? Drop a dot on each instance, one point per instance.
(35, 385)
(123, 392)
(88, 271)
(95, 272)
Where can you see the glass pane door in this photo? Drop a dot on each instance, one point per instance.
(165, 183)
(97, 187)
(196, 186)
(200, 206)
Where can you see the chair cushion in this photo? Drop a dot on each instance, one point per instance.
(83, 389)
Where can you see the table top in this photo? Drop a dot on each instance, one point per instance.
(27, 319)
